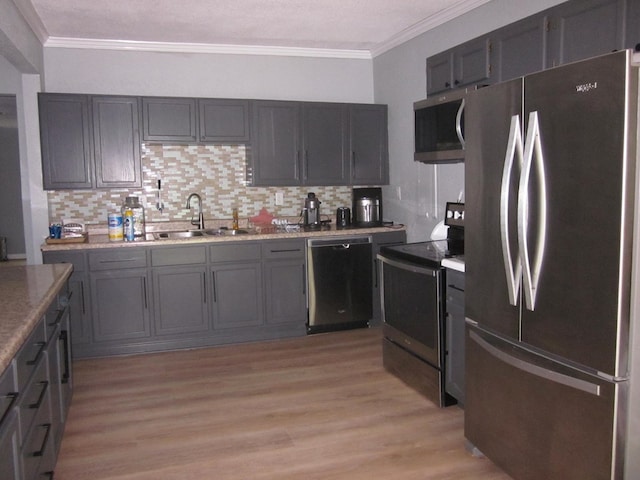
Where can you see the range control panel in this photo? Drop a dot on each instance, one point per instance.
(454, 215)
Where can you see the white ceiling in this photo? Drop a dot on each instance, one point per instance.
(326, 27)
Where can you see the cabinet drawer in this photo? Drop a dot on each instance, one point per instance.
(8, 394)
(455, 280)
(116, 259)
(235, 252)
(29, 355)
(283, 249)
(37, 443)
(75, 258)
(178, 256)
(34, 397)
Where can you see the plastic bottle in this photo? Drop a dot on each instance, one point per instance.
(234, 225)
(139, 224)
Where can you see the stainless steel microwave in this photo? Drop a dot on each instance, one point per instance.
(439, 128)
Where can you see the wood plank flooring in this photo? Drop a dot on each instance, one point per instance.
(318, 407)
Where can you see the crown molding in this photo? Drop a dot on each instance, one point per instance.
(168, 47)
(427, 24)
(32, 18)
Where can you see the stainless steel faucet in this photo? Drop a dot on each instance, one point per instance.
(200, 222)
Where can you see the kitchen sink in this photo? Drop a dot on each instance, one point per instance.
(198, 233)
(180, 234)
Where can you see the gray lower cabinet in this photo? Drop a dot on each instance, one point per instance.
(285, 283)
(9, 432)
(119, 295)
(89, 141)
(80, 300)
(454, 363)
(35, 393)
(236, 285)
(181, 299)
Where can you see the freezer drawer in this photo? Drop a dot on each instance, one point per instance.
(538, 419)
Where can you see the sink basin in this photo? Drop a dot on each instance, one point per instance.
(180, 234)
(226, 231)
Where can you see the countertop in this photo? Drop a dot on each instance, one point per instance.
(101, 240)
(25, 294)
(454, 263)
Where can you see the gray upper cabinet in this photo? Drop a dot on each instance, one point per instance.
(224, 121)
(632, 24)
(89, 141)
(169, 119)
(275, 152)
(466, 64)
(65, 137)
(325, 141)
(586, 28)
(519, 48)
(369, 145)
(193, 120)
(116, 136)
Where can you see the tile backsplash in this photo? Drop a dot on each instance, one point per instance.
(216, 172)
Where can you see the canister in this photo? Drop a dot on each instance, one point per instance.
(116, 233)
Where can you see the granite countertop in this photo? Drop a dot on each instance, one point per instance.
(101, 240)
(25, 294)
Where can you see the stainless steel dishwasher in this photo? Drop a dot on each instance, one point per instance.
(339, 277)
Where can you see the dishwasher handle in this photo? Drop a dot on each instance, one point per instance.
(344, 242)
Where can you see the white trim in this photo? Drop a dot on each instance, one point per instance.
(89, 43)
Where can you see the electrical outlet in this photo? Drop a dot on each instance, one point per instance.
(279, 198)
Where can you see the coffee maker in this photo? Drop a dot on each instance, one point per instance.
(311, 211)
(367, 207)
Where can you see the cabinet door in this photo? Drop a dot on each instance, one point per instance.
(181, 299)
(169, 119)
(439, 72)
(116, 136)
(455, 328)
(632, 26)
(472, 62)
(519, 49)
(325, 144)
(9, 435)
(285, 289)
(237, 295)
(80, 301)
(275, 153)
(65, 137)
(584, 29)
(369, 145)
(224, 120)
(120, 304)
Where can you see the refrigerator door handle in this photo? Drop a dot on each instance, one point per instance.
(459, 124)
(532, 155)
(513, 270)
(556, 377)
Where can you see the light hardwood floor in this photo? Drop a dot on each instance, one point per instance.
(318, 407)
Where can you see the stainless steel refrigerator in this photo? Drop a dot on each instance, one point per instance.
(550, 191)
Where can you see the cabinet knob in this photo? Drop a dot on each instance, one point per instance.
(447, 84)
(457, 82)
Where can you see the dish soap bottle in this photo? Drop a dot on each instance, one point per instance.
(136, 211)
(234, 225)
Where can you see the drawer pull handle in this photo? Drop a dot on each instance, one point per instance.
(13, 396)
(286, 250)
(58, 318)
(455, 288)
(45, 385)
(41, 346)
(40, 453)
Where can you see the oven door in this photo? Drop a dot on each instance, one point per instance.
(412, 302)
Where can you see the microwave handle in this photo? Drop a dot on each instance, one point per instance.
(459, 123)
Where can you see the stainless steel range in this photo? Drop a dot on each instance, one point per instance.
(413, 300)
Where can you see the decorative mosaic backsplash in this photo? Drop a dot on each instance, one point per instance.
(216, 172)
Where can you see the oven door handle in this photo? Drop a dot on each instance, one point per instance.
(408, 266)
